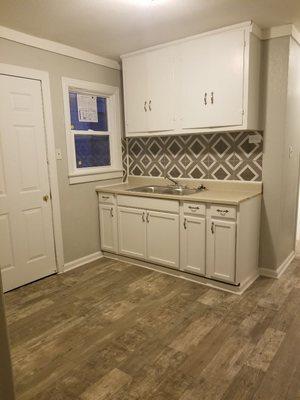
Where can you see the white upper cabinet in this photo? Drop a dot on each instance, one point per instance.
(211, 74)
(205, 83)
(149, 91)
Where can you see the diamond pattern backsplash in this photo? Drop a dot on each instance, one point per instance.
(210, 156)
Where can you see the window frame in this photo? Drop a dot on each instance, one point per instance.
(112, 94)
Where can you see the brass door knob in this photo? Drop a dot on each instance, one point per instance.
(46, 197)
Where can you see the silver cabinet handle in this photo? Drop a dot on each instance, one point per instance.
(212, 228)
(143, 217)
(212, 97)
(147, 217)
(205, 98)
(150, 103)
(222, 212)
(145, 106)
(112, 212)
(184, 223)
(194, 208)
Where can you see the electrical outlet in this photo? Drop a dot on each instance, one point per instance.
(58, 154)
(255, 138)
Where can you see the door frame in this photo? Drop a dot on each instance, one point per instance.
(43, 77)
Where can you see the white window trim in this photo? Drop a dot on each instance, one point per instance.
(115, 170)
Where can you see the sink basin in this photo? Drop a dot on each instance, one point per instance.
(164, 190)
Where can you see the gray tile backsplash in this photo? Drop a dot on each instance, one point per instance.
(208, 156)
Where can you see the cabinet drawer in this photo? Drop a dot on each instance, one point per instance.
(149, 203)
(223, 211)
(106, 198)
(194, 208)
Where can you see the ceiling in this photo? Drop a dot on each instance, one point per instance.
(113, 27)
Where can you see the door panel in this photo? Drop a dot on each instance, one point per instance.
(195, 76)
(212, 79)
(221, 249)
(135, 74)
(227, 85)
(193, 245)
(23, 183)
(161, 89)
(132, 232)
(163, 238)
(108, 228)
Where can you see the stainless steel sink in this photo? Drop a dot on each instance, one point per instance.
(164, 190)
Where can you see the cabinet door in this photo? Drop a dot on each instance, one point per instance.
(193, 245)
(161, 89)
(136, 96)
(212, 79)
(221, 245)
(108, 228)
(163, 238)
(132, 232)
(227, 71)
(194, 76)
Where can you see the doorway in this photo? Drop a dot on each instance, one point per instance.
(27, 249)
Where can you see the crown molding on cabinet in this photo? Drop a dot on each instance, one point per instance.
(280, 31)
(55, 47)
(248, 24)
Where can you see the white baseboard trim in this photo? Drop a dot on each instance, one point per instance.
(276, 273)
(82, 261)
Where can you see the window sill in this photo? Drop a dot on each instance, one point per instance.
(102, 176)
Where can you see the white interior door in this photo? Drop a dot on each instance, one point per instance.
(26, 231)
(163, 238)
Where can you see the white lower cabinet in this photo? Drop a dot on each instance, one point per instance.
(163, 238)
(132, 232)
(108, 227)
(193, 242)
(218, 242)
(221, 249)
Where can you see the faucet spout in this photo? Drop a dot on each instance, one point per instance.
(172, 180)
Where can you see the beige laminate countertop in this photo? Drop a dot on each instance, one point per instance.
(233, 197)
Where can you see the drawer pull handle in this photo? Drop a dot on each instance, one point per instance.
(105, 197)
(212, 97)
(143, 217)
(222, 212)
(147, 218)
(184, 223)
(212, 228)
(205, 98)
(112, 212)
(145, 106)
(194, 208)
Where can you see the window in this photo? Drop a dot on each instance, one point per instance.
(92, 117)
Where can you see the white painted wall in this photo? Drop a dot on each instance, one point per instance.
(281, 93)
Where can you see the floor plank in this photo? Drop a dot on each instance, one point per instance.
(115, 331)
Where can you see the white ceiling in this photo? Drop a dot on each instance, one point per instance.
(113, 27)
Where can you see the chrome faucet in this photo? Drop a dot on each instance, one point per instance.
(172, 180)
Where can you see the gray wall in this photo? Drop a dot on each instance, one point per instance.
(281, 96)
(6, 377)
(80, 229)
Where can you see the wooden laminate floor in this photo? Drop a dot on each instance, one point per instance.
(120, 332)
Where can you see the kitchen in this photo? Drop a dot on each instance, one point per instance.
(182, 151)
